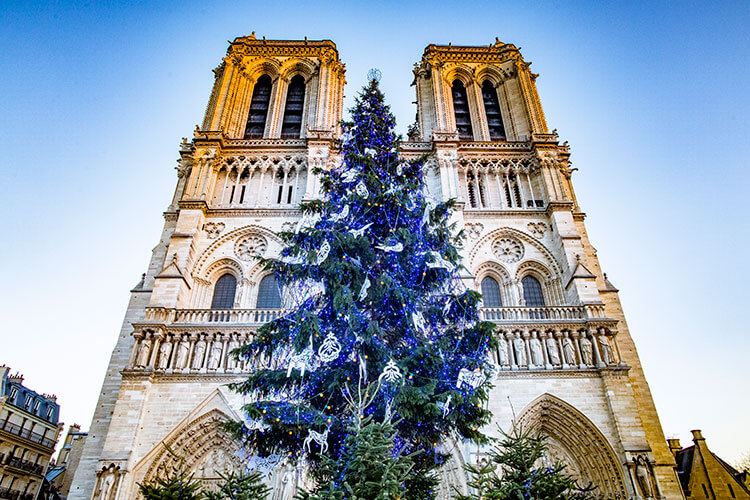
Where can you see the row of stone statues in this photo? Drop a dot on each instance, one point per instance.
(185, 351)
(515, 350)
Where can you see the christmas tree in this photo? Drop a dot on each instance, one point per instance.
(177, 483)
(379, 324)
(526, 472)
(240, 486)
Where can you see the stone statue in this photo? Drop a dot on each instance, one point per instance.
(164, 351)
(502, 352)
(537, 358)
(286, 482)
(553, 351)
(643, 475)
(606, 350)
(200, 351)
(518, 345)
(569, 351)
(214, 356)
(587, 351)
(231, 361)
(183, 350)
(107, 486)
(144, 353)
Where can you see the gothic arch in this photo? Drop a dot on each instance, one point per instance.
(459, 72)
(268, 66)
(292, 67)
(202, 266)
(204, 444)
(575, 440)
(526, 239)
(491, 73)
(533, 268)
(223, 265)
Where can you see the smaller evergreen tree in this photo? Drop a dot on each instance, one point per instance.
(519, 455)
(369, 468)
(177, 484)
(238, 486)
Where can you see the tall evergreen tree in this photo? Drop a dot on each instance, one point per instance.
(378, 325)
(177, 483)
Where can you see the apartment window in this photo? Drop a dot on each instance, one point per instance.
(492, 110)
(256, 118)
(27, 405)
(13, 394)
(224, 291)
(491, 293)
(50, 409)
(461, 111)
(36, 406)
(268, 294)
(532, 292)
(295, 102)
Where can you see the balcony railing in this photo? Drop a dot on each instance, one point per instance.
(211, 316)
(19, 463)
(27, 434)
(15, 494)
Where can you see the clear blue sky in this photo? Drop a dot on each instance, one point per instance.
(652, 96)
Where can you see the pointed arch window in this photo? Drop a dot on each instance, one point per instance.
(295, 102)
(461, 111)
(268, 293)
(491, 293)
(256, 118)
(224, 291)
(492, 110)
(532, 292)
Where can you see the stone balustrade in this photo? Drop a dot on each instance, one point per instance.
(552, 313)
(556, 348)
(252, 317)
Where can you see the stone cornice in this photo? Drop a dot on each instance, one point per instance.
(565, 373)
(495, 53)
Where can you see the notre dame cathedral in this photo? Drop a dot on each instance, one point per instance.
(566, 363)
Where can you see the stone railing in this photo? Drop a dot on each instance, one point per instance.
(556, 348)
(211, 316)
(552, 313)
(187, 352)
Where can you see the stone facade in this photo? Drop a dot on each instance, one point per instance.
(566, 361)
(28, 433)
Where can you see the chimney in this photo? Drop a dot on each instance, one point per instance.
(674, 445)
(17, 378)
(697, 435)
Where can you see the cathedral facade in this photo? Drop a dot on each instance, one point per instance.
(566, 363)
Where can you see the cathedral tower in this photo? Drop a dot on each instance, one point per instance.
(565, 362)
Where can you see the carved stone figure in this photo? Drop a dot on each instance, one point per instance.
(587, 351)
(164, 351)
(231, 361)
(144, 353)
(200, 351)
(107, 486)
(644, 478)
(502, 352)
(214, 356)
(537, 358)
(569, 351)
(606, 350)
(518, 345)
(553, 351)
(286, 482)
(183, 350)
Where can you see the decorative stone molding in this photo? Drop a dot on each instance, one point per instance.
(537, 229)
(250, 247)
(213, 229)
(474, 229)
(508, 249)
(575, 440)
